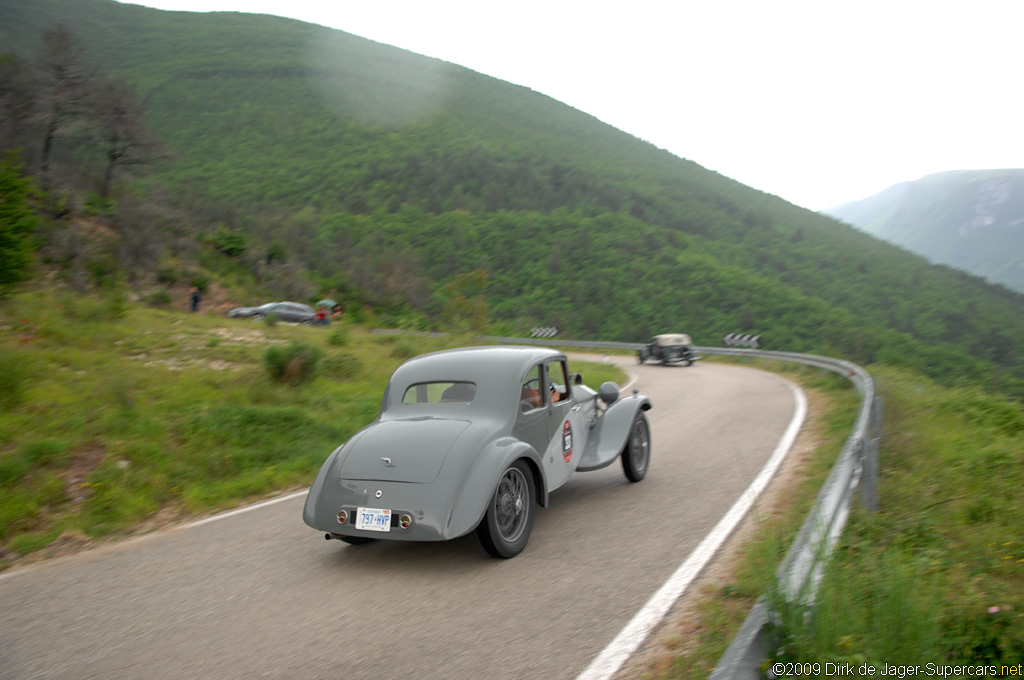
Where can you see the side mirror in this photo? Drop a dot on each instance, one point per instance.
(609, 393)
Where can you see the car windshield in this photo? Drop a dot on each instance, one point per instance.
(442, 392)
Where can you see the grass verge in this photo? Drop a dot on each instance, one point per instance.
(936, 576)
(119, 418)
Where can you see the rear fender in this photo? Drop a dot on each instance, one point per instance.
(611, 433)
(478, 484)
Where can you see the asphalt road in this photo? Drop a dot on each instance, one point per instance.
(260, 595)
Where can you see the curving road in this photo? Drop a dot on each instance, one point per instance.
(257, 594)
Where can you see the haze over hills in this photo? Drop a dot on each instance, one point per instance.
(338, 165)
(969, 219)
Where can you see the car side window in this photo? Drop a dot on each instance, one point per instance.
(558, 379)
(531, 394)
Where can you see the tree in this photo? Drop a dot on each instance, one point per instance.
(17, 221)
(61, 87)
(119, 119)
(466, 302)
(17, 101)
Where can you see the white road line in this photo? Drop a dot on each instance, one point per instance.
(239, 511)
(224, 515)
(629, 639)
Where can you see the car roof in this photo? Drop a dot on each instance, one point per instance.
(473, 363)
(498, 370)
(673, 339)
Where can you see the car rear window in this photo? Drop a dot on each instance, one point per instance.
(443, 392)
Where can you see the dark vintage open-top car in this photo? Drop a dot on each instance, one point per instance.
(669, 348)
(474, 439)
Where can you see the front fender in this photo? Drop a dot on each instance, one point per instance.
(478, 485)
(609, 436)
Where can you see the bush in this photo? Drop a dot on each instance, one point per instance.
(342, 365)
(159, 298)
(168, 273)
(47, 452)
(404, 349)
(228, 242)
(291, 365)
(13, 376)
(17, 222)
(339, 336)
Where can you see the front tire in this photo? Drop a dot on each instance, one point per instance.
(506, 526)
(636, 457)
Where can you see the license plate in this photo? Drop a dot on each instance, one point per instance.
(373, 519)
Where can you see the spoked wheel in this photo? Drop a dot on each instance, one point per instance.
(506, 526)
(636, 457)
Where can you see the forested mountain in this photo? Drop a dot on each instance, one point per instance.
(389, 178)
(970, 219)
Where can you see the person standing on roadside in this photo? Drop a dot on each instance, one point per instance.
(194, 298)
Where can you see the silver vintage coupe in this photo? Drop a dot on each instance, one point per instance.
(474, 439)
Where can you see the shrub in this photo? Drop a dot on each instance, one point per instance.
(342, 365)
(168, 273)
(339, 336)
(13, 376)
(17, 222)
(159, 298)
(13, 467)
(228, 242)
(404, 349)
(291, 365)
(47, 452)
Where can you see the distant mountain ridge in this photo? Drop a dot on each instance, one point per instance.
(969, 219)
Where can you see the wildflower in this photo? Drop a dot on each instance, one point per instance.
(994, 610)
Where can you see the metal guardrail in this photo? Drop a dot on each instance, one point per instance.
(801, 571)
(803, 567)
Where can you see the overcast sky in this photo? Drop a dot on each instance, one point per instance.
(817, 101)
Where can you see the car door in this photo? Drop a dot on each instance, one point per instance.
(550, 419)
(292, 312)
(533, 424)
(568, 425)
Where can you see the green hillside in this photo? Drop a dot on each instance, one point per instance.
(339, 165)
(972, 220)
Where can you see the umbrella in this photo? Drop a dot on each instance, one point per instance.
(326, 303)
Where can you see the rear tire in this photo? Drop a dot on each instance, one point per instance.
(636, 457)
(506, 526)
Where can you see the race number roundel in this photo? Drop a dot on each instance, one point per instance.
(567, 441)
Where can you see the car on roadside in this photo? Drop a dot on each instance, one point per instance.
(669, 348)
(474, 439)
(289, 312)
